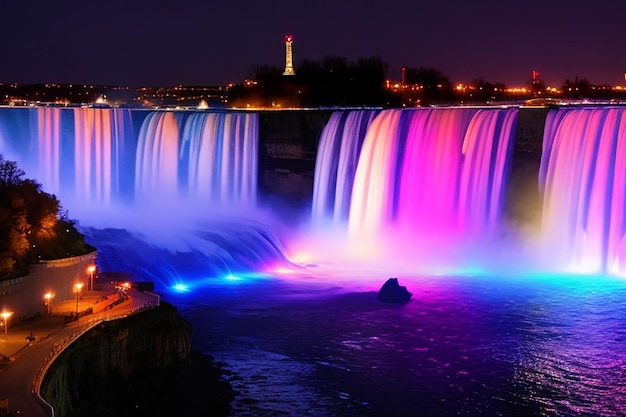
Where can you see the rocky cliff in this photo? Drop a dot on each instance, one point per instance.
(141, 365)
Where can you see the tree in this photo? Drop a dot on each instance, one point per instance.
(433, 84)
(428, 78)
(577, 88)
(336, 81)
(31, 223)
(10, 173)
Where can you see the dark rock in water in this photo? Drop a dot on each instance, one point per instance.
(392, 292)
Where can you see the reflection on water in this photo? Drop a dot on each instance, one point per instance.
(462, 346)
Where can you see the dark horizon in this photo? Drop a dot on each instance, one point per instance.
(191, 42)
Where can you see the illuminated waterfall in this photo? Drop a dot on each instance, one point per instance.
(98, 153)
(99, 159)
(159, 193)
(338, 153)
(49, 147)
(84, 164)
(157, 160)
(432, 174)
(428, 170)
(213, 160)
(454, 169)
(222, 157)
(583, 179)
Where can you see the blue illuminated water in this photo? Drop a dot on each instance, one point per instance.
(462, 346)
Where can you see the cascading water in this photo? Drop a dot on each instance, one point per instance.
(49, 147)
(172, 179)
(430, 170)
(84, 165)
(433, 174)
(92, 157)
(157, 160)
(426, 189)
(99, 152)
(583, 182)
(434, 171)
(222, 157)
(338, 153)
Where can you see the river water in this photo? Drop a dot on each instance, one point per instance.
(544, 346)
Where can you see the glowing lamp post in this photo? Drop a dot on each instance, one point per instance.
(48, 297)
(5, 318)
(91, 270)
(77, 287)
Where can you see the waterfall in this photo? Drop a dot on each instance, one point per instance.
(99, 147)
(583, 182)
(181, 184)
(49, 149)
(99, 159)
(156, 164)
(335, 166)
(440, 170)
(222, 154)
(80, 161)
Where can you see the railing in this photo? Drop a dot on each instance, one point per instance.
(58, 348)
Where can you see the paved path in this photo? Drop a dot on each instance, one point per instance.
(20, 378)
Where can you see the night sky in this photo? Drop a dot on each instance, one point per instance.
(192, 42)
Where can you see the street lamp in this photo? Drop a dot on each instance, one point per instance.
(48, 297)
(91, 270)
(77, 287)
(5, 318)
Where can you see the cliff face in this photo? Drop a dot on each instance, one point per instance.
(140, 365)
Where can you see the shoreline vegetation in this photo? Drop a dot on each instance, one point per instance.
(33, 223)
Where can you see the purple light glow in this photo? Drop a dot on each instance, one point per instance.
(396, 191)
(582, 176)
(427, 190)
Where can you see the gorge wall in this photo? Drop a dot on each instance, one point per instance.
(141, 365)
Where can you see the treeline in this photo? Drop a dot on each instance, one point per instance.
(32, 224)
(333, 81)
(337, 81)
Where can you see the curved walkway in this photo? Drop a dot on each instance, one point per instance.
(25, 363)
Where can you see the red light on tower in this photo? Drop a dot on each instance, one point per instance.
(288, 38)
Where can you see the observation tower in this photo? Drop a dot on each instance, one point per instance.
(289, 56)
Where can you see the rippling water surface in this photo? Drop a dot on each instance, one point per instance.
(462, 346)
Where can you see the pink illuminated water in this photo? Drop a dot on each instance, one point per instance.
(425, 182)
(157, 159)
(336, 162)
(93, 152)
(433, 171)
(583, 180)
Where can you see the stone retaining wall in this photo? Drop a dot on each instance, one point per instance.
(24, 296)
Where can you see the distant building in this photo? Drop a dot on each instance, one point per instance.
(289, 56)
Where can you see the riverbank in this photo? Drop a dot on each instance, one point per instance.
(40, 348)
(135, 366)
